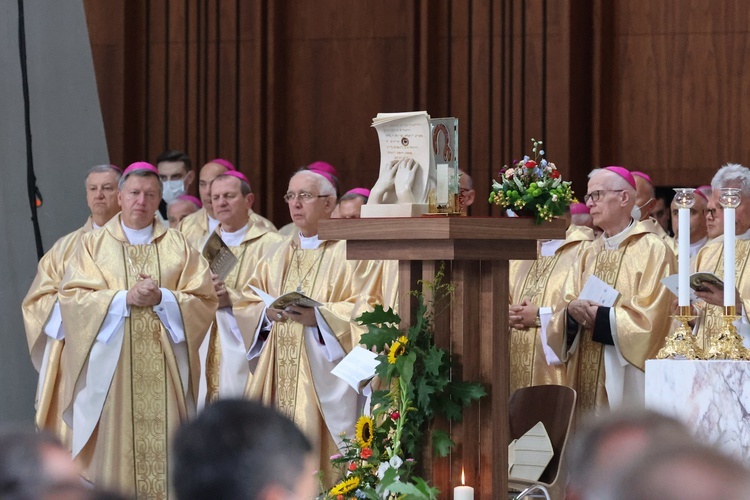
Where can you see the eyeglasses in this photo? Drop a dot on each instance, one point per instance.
(712, 212)
(595, 195)
(303, 196)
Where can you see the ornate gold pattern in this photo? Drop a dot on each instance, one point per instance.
(149, 390)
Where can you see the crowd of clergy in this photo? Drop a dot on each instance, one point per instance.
(134, 333)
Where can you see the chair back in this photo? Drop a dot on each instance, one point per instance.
(554, 406)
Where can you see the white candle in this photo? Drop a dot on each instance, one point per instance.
(463, 493)
(728, 257)
(442, 184)
(683, 248)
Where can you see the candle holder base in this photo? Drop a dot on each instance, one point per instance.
(728, 344)
(680, 344)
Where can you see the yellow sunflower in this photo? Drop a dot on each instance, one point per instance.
(344, 486)
(363, 432)
(397, 349)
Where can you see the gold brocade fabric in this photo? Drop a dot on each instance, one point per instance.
(540, 282)
(711, 259)
(195, 226)
(283, 376)
(37, 307)
(129, 449)
(642, 310)
(258, 240)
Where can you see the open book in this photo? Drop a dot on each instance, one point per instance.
(220, 258)
(697, 281)
(288, 299)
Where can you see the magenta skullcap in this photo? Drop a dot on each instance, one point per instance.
(326, 175)
(578, 208)
(643, 176)
(700, 190)
(192, 199)
(624, 173)
(360, 191)
(224, 163)
(239, 175)
(323, 167)
(141, 165)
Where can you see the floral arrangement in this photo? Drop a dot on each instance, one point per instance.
(532, 186)
(379, 462)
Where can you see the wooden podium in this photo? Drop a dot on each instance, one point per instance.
(476, 251)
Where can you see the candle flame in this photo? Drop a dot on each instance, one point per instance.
(463, 477)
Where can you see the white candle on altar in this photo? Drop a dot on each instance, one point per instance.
(463, 492)
(683, 264)
(729, 238)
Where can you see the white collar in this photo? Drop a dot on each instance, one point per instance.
(614, 241)
(695, 247)
(310, 243)
(234, 239)
(549, 247)
(212, 223)
(138, 236)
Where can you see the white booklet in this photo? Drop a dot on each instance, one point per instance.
(598, 291)
(357, 368)
(672, 284)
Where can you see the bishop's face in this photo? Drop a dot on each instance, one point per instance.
(101, 195)
(308, 206)
(209, 172)
(230, 207)
(139, 199)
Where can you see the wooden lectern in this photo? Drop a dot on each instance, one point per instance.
(476, 251)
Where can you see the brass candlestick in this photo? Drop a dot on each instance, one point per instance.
(728, 344)
(680, 344)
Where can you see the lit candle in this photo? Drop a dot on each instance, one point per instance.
(728, 257)
(463, 492)
(684, 200)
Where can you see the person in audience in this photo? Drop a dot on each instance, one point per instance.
(136, 302)
(294, 349)
(198, 226)
(535, 287)
(41, 309)
(698, 231)
(610, 443)
(660, 212)
(350, 205)
(239, 449)
(177, 176)
(581, 216)
(710, 258)
(466, 193)
(226, 364)
(644, 205)
(606, 346)
(682, 471)
(180, 208)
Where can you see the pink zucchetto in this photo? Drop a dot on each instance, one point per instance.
(360, 191)
(327, 176)
(192, 199)
(701, 191)
(643, 176)
(578, 208)
(239, 175)
(323, 167)
(624, 173)
(141, 165)
(224, 163)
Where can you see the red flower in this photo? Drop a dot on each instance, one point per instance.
(530, 164)
(395, 415)
(340, 497)
(365, 453)
(352, 466)
(554, 174)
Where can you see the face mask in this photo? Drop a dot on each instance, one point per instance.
(636, 212)
(173, 190)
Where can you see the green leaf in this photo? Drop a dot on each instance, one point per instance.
(405, 366)
(379, 336)
(433, 361)
(448, 407)
(408, 489)
(424, 392)
(466, 392)
(441, 443)
(379, 316)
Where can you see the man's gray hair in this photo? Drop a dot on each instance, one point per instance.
(732, 175)
(324, 185)
(103, 168)
(141, 173)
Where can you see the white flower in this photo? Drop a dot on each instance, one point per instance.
(384, 466)
(509, 173)
(554, 197)
(396, 462)
(541, 153)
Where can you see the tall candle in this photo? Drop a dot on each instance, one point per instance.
(463, 492)
(729, 257)
(683, 264)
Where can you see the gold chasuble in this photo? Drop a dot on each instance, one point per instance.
(152, 381)
(256, 242)
(294, 363)
(634, 265)
(38, 307)
(195, 226)
(710, 259)
(540, 282)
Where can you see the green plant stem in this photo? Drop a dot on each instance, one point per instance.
(402, 404)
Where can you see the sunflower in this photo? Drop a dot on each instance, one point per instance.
(397, 349)
(344, 486)
(363, 432)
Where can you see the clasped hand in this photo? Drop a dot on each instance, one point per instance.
(303, 315)
(398, 177)
(714, 295)
(523, 315)
(221, 291)
(144, 293)
(583, 311)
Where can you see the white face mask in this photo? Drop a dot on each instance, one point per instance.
(635, 213)
(173, 190)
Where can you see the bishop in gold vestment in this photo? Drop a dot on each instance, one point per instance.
(131, 369)
(295, 349)
(606, 347)
(41, 310)
(536, 285)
